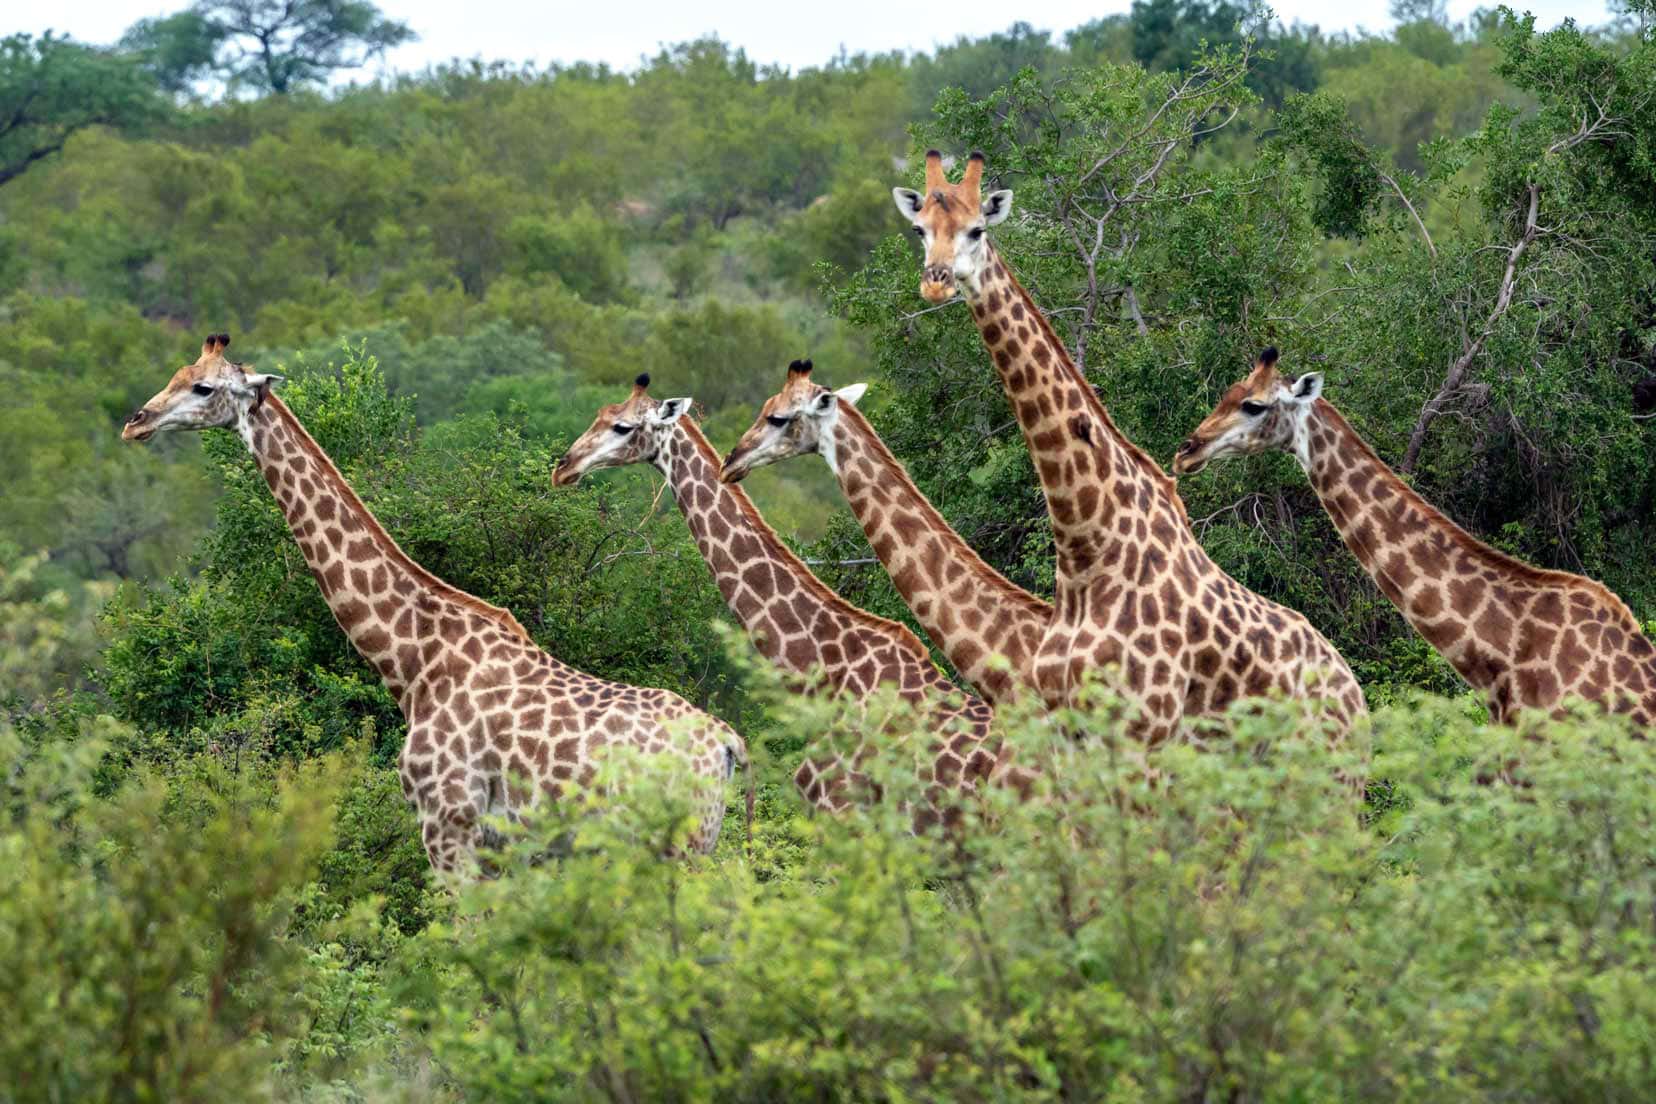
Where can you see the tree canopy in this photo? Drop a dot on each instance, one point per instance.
(273, 46)
(51, 88)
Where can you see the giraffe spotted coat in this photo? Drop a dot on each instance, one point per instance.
(794, 619)
(1528, 638)
(1136, 594)
(493, 721)
(988, 627)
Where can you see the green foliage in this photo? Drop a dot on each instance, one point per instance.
(1319, 127)
(47, 626)
(177, 50)
(145, 949)
(579, 248)
(52, 87)
(446, 375)
(1241, 934)
(72, 370)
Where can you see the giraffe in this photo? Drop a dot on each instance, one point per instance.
(485, 706)
(793, 618)
(1525, 637)
(972, 611)
(1134, 587)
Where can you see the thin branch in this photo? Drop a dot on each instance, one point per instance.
(1457, 371)
(1133, 309)
(1414, 214)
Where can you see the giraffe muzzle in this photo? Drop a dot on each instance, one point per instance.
(1189, 459)
(565, 474)
(138, 426)
(735, 466)
(937, 284)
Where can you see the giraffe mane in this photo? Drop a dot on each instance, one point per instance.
(1471, 545)
(1158, 477)
(935, 518)
(353, 501)
(806, 578)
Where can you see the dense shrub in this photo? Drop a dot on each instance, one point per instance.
(145, 950)
(1241, 932)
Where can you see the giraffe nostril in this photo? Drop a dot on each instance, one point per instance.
(137, 416)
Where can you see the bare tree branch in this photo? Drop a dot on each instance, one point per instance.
(1391, 182)
(1471, 348)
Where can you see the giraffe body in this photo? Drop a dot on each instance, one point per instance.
(1528, 638)
(1135, 590)
(487, 709)
(988, 627)
(794, 619)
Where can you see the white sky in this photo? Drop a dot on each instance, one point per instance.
(794, 34)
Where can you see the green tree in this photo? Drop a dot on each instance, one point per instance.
(178, 50)
(1173, 34)
(576, 246)
(978, 66)
(51, 88)
(273, 46)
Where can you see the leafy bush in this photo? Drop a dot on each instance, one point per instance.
(1233, 931)
(144, 948)
(578, 247)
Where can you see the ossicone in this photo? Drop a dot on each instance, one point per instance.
(1268, 356)
(643, 381)
(799, 368)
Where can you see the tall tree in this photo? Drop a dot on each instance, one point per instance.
(51, 87)
(266, 45)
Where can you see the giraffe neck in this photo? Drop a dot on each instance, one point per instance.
(394, 612)
(1099, 486)
(788, 611)
(968, 608)
(1466, 598)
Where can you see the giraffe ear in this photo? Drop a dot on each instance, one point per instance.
(668, 411)
(1308, 387)
(996, 206)
(260, 383)
(852, 393)
(909, 201)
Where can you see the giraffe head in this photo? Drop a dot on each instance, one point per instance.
(628, 432)
(1265, 411)
(796, 420)
(210, 393)
(951, 219)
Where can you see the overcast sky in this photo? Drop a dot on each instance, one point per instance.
(793, 34)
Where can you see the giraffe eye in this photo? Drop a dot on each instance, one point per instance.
(203, 389)
(622, 429)
(777, 420)
(1254, 409)
(975, 233)
(919, 231)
